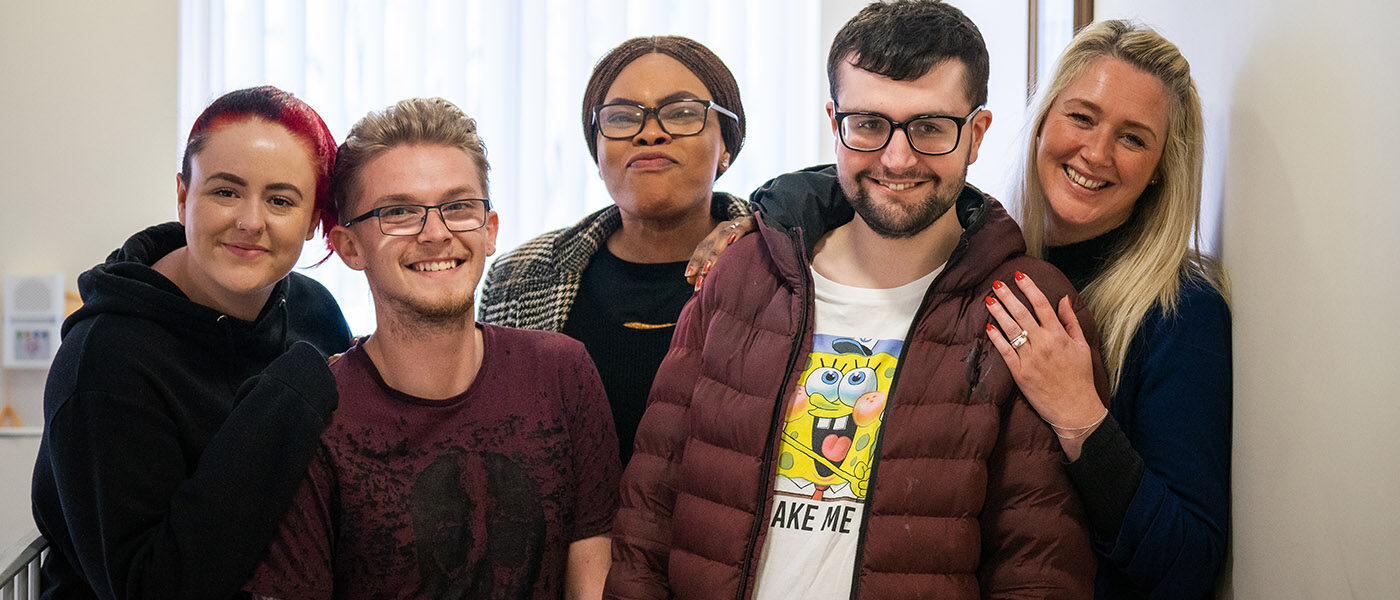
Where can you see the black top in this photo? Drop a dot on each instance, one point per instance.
(175, 435)
(1106, 450)
(625, 313)
(1082, 261)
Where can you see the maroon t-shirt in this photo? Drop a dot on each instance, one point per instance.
(477, 496)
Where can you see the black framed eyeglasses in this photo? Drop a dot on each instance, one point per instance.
(623, 120)
(933, 135)
(408, 219)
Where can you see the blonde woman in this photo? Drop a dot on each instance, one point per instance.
(1112, 199)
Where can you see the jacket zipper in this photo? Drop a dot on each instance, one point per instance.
(880, 442)
(765, 474)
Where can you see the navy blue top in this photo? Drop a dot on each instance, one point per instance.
(1155, 478)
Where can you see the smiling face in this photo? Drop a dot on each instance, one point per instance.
(834, 416)
(655, 176)
(1099, 147)
(431, 276)
(896, 191)
(248, 207)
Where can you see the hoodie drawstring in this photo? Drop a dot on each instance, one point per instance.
(286, 320)
(227, 328)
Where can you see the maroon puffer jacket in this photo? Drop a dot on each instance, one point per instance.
(969, 498)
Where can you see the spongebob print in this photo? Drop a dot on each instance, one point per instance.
(832, 419)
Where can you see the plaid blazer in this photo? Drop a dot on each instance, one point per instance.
(533, 286)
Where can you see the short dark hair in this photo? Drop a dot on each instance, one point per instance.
(701, 61)
(274, 106)
(905, 39)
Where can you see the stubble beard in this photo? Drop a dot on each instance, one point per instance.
(444, 312)
(897, 221)
(415, 312)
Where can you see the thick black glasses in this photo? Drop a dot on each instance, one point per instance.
(409, 219)
(933, 135)
(677, 118)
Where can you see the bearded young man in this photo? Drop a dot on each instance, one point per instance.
(465, 460)
(831, 421)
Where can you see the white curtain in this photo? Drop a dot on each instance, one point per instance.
(519, 68)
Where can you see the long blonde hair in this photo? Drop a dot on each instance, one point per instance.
(1162, 243)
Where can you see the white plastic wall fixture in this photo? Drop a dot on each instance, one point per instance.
(33, 315)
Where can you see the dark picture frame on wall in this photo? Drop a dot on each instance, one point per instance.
(1051, 24)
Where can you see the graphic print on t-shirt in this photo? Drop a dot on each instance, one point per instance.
(828, 442)
(448, 512)
(832, 419)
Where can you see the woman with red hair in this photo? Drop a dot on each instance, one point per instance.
(191, 388)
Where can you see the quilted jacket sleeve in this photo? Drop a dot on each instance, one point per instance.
(1034, 534)
(642, 529)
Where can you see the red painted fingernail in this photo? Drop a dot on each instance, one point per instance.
(991, 300)
(996, 285)
(706, 268)
(990, 328)
(732, 237)
(689, 270)
(1020, 276)
(699, 280)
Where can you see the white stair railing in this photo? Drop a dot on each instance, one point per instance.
(19, 580)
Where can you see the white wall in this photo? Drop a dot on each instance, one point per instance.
(1303, 113)
(90, 150)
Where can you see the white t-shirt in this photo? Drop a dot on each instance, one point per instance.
(831, 426)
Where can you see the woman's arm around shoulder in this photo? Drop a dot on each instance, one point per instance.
(136, 502)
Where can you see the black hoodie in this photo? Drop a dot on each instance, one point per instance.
(175, 435)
